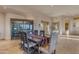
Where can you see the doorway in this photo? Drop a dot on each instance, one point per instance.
(67, 28)
(45, 27)
(55, 26)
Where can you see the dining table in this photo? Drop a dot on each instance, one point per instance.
(36, 39)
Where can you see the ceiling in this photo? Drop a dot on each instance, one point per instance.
(57, 10)
(49, 10)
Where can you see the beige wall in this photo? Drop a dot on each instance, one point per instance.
(61, 20)
(5, 22)
(76, 28)
(8, 16)
(2, 23)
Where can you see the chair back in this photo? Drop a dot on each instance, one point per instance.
(23, 36)
(42, 33)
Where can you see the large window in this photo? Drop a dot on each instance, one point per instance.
(20, 25)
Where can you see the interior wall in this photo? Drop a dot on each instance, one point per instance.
(75, 27)
(60, 23)
(5, 30)
(2, 26)
(8, 16)
(62, 20)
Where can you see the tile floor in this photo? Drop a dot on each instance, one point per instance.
(64, 46)
(67, 46)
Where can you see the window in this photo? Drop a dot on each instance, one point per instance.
(17, 26)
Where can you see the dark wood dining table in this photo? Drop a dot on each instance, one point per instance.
(38, 39)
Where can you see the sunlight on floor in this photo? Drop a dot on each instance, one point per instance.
(10, 46)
